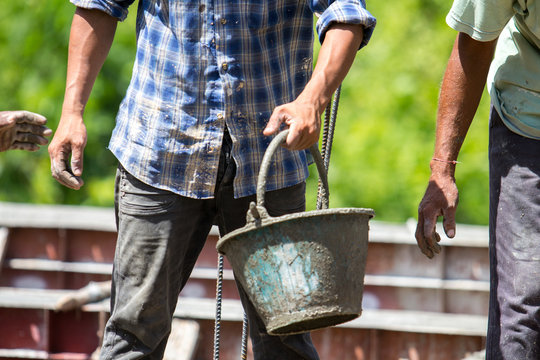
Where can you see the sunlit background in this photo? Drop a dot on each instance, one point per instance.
(384, 133)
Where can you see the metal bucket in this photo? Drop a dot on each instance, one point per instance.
(302, 271)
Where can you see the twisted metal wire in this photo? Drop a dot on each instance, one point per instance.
(330, 116)
(331, 128)
(326, 124)
(243, 354)
(217, 324)
(219, 297)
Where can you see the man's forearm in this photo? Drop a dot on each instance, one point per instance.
(92, 33)
(335, 58)
(461, 91)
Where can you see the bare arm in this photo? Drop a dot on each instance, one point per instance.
(92, 33)
(461, 91)
(336, 56)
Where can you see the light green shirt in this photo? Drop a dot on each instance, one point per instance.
(514, 75)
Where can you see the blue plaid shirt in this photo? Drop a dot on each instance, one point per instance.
(203, 65)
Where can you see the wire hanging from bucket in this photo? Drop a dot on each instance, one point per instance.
(219, 297)
(330, 116)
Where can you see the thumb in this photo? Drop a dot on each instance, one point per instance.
(77, 161)
(449, 222)
(273, 123)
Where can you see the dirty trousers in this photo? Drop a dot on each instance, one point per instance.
(514, 309)
(160, 235)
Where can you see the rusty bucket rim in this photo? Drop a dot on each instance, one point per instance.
(272, 220)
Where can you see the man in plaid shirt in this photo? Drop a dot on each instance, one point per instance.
(212, 81)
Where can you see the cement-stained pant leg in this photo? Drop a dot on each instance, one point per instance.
(514, 315)
(160, 235)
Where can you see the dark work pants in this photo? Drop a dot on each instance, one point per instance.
(514, 309)
(160, 236)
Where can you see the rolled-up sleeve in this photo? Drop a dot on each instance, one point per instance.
(345, 12)
(117, 9)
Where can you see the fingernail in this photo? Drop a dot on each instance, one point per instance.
(451, 233)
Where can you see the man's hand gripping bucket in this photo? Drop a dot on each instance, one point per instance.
(302, 271)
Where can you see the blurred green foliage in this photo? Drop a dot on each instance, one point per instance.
(384, 134)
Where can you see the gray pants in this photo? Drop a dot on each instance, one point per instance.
(160, 236)
(514, 309)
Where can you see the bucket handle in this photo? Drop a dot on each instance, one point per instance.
(258, 211)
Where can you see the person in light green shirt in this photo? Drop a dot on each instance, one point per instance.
(514, 76)
(498, 42)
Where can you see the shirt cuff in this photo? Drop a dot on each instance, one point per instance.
(117, 9)
(347, 12)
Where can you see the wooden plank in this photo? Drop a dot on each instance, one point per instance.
(210, 274)
(426, 283)
(57, 216)
(197, 308)
(23, 354)
(60, 217)
(396, 233)
(421, 322)
(183, 341)
(102, 219)
(97, 268)
(60, 266)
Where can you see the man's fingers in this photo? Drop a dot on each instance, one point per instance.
(33, 128)
(62, 173)
(273, 123)
(429, 226)
(420, 239)
(66, 178)
(431, 235)
(31, 138)
(28, 146)
(292, 141)
(449, 222)
(77, 161)
(45, 131)
(28, 117)
(426, 235)
(435, 243)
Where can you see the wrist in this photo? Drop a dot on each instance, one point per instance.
(443, 168)
(71, 118)
(72, 110)
(314, 101)
(317, 92)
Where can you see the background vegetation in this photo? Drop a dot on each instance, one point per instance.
(385, 127)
